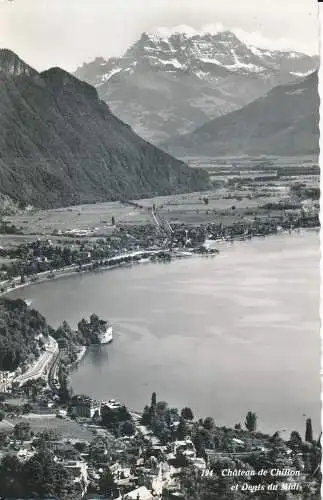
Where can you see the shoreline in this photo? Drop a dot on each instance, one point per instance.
(84, 349)
(80, 356)
(63, 273)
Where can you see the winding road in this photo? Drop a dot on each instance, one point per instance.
(38, 369)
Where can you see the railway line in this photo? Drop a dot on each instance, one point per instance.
(41, 367)
(53, 372)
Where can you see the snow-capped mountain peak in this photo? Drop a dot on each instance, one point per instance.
(173, 80)
(185, 49)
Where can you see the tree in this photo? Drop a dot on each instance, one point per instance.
(80, 446)
(112, 417)
(22, 431)
(180, 460)
(161, 407)
(19, 329)
(128, 428)
(309, 431)
(107, 482)
(65, 392)
(199, 445)
(153, 400)
(181, 430)
(94, 321)
(98, 450)
(113, 221)
(4, 438)
(27, 408)
(2, 415)
(159, 426)
(165, 436)
(209, 424)
(49, 435)
(83, 327)
(10, 472)
(187, 413)
(42, 477)
(295, 439)
(146, 415)
(276, 439)
(251, 421)
(31, 388)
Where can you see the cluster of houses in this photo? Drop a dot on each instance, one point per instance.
(142, 467)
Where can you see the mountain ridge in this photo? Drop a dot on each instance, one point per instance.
(61, 145)
(283, 121)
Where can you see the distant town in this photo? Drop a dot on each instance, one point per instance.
(25, 259)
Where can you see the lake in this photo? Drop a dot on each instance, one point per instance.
(223, 335)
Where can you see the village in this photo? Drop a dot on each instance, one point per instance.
(80, 250)
(110, 451)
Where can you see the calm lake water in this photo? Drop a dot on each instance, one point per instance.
(223, 335)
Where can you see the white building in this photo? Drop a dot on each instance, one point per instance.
(6, 378)
(186, 447)
(141, 493)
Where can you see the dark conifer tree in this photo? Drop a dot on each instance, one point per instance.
(309, 431)
(153, 400)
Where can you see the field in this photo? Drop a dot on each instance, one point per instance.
(66, 428)
(240, 188)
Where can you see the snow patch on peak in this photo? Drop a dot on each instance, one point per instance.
(295, 55)
(156, 37)
(256, 51)
(254, 39)
(173, 62)
(211, 61)
(307, 73)
(108, 75)
(240, 65)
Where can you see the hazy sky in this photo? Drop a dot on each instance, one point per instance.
(68, 32)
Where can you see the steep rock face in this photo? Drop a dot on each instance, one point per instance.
(11, 64)
(285, 121)
(61, 145)
(169, 84)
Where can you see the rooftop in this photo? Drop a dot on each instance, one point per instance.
(141, 493)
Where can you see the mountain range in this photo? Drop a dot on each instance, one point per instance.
(170, 84)
(283, 122)
(60, 144)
